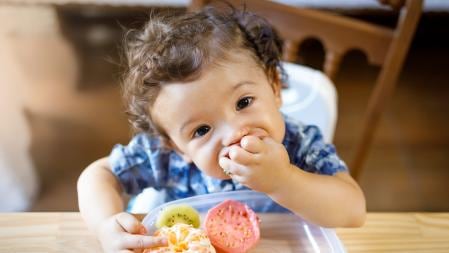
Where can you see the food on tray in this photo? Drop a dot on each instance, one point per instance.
(232, 227)
(183, 238)
(174, 214)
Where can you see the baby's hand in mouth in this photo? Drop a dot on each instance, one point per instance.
(225, 150)
(253, 144)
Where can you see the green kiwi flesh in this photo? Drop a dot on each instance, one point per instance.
(181, 213)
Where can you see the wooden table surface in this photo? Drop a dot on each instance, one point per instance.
(383, 232)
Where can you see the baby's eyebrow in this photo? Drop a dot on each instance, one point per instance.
(188, 122)
(242, 83)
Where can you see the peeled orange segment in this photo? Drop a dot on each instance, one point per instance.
(232, 227)
(183, 238)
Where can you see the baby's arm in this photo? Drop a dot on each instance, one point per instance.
(102, 207)
(263, 165)
(330, 201)
(99, 193)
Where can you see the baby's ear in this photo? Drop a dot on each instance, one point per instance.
(171, 145)
(277, 88)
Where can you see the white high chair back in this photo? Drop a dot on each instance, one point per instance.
(310, 98)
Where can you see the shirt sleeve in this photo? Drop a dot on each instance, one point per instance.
(140, 164)
(316, 156)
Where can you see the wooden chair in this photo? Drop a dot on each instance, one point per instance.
(383, 46)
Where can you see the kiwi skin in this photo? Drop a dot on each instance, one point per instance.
(181, 213)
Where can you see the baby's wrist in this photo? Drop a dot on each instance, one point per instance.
(286, 181)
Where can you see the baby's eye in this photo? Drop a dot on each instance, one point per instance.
(200, 131)
(244, 102)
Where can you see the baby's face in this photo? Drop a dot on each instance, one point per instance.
(203, 118)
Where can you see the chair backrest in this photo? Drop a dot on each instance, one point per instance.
(385, 47)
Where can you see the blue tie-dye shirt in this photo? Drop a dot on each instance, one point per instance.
(144, 163)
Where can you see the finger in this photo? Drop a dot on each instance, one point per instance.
(269, 141)
(239, 179)
(252, 144)
(224, 163)
(232, 168)
(130, 241)
(129, 223)
(240, 155)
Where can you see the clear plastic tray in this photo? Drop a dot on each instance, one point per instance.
(281, 230)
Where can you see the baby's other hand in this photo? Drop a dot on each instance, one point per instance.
(123, 232)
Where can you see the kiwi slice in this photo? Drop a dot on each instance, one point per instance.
(180, 213)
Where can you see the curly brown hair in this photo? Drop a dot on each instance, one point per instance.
(176, 48)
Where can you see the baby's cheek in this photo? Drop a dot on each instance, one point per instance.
(206, 159)
(207, 162)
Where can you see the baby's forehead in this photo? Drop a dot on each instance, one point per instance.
(228, 74)
(214, 81)
(230, 60)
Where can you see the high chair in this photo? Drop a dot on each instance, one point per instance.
(383, 46)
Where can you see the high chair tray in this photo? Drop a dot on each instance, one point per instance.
(281, 230)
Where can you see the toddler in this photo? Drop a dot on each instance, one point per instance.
(203, 93)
